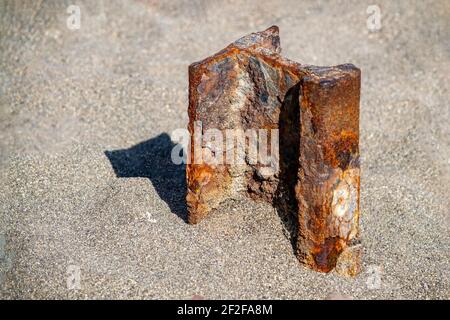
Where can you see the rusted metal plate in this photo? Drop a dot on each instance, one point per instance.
(240, 88)
(328, 178)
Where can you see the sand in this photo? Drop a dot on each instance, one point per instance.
(71, 228)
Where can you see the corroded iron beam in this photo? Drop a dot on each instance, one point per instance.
(310, 118)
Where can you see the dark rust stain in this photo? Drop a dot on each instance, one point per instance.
(326, 254)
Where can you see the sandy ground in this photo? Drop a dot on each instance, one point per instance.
(70, 98)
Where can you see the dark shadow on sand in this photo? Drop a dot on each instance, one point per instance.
(151, 159)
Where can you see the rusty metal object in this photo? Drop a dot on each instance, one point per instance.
(312, 113)
(328, 177)
(241, 87)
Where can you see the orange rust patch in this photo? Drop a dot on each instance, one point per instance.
(326, 254)
(341, 149)
(199, 176)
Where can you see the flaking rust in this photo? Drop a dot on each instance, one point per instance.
(311, 113)
(328, 177)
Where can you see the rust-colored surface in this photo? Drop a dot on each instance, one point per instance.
(248, 85)
(328, 176)
(241, 87)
